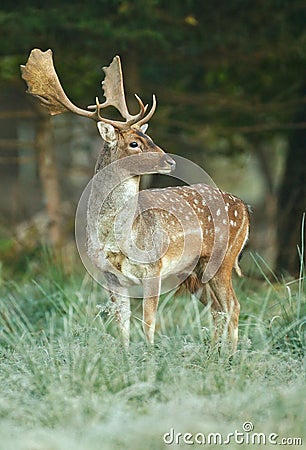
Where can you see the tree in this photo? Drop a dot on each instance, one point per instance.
(237, 68)
(292, 201)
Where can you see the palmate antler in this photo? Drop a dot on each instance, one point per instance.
(43, 83)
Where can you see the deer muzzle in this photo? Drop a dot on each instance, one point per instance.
(167, 165)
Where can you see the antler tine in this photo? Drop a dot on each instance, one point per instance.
(43, 83)
(146, 118)
(143, 108)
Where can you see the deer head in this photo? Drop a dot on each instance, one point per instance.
(122, 138)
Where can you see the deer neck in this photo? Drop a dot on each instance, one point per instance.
(125, 193)
(119, 185)
(114, 194)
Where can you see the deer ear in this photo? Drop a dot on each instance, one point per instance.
(107, 132)
(144, 127)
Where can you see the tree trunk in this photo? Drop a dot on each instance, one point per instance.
(292, 201)
(48, 173)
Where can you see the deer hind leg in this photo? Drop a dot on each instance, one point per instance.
(225, 309)
(151, 289)
(207, 297)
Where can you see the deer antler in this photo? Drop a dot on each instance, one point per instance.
(43, 83)
(113, 89)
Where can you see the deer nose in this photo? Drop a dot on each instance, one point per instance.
(169, 162)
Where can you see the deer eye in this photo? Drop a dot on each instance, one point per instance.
(133, 144)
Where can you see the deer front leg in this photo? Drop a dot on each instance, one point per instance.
(123, 315)
(151, 290)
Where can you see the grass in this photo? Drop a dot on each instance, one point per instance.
(66, 382)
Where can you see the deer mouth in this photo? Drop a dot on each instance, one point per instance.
(165, 171)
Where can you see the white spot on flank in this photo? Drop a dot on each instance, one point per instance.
(235, 213)
(218, 212)
(209, 218)
(224, 221)
(196, 201)
(226, 208)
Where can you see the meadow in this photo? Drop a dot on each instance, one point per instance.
(67, 383)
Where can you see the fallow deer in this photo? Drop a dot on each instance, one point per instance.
(184, 226)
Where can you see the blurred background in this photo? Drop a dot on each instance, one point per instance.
(230, 83)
